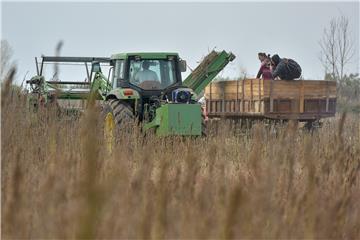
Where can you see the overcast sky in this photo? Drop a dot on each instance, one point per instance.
(245, 28)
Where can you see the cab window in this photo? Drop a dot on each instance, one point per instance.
(152, 74)
(118, 73)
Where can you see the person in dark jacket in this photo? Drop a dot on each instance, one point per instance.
(285, 68)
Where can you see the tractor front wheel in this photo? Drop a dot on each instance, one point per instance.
(118, 118)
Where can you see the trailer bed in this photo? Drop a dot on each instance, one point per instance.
(273, 99)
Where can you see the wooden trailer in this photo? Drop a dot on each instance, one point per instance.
(304, 100)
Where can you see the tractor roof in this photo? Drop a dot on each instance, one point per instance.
(149, 55)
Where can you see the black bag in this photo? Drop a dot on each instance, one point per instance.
(293, 68)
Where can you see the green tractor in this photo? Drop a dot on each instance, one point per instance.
(141, 87)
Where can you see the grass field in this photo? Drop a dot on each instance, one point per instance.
(59, 181)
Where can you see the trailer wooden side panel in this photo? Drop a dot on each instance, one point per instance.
(297, 99)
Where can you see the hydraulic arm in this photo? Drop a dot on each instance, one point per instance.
(203, 74)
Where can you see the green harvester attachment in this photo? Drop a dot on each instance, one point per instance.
(146, 87)
(177, 119)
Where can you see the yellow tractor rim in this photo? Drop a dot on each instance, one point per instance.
(109, 131)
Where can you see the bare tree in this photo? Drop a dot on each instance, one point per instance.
(337, 48)
(328, 45)
(345, 44)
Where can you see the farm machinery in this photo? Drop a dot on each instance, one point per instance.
(138, 87)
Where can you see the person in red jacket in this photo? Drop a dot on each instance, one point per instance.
(264, 71)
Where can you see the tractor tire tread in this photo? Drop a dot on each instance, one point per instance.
(121, 111)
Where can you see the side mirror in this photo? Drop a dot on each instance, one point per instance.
(182, 65)
(95, 67)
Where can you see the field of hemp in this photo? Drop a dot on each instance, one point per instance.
(59, 181)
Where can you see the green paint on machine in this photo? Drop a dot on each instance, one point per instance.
(177, 119)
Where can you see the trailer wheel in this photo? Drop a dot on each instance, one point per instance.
(118, 118)
(312, 125)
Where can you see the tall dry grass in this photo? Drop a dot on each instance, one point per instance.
(59, 181)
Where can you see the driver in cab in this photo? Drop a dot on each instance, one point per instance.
(146, 74)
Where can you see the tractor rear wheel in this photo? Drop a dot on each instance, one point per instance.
(118, 118)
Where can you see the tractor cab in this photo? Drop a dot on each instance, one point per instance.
(147, 72)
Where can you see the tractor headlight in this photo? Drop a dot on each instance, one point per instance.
(181, 96)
